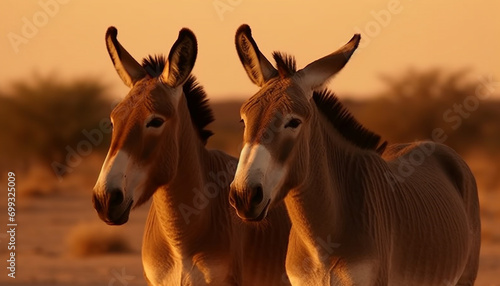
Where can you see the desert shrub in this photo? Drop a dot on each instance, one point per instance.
(87, 239)
(416, 103)
(41, 118)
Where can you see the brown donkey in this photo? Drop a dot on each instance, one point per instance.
(355, 221)
(192, 236)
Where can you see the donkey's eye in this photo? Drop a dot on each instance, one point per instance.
(242, 122)
(293, 123)
(155, 122)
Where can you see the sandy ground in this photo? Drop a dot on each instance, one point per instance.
(46, 223)
(44, 255)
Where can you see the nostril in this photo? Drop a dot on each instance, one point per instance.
(257, 195)
(115, 197)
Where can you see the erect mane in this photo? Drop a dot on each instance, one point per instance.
(154, 65)
(196, 97)
(286, 63)
(199, 109)
(342, 120)
(330, 106)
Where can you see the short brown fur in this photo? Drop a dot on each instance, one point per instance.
(359, 217)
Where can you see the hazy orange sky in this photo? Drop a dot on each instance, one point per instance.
(68, 39)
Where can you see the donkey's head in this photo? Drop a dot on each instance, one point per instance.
(144, 147)
(276, 119)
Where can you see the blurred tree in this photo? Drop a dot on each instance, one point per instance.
(416, 103)
(43, 119)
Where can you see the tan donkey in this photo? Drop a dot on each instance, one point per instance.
(355, 221)
(192, 235)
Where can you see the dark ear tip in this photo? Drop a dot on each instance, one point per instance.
(356, 38)
(244, 29)
(111, 32)
(185, 32)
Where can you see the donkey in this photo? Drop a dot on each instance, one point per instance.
(192, 235)
(354, 220)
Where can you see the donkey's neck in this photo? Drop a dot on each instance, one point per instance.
(192, 204)
(321, 208)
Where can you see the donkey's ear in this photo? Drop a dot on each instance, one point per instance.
(317, 73)
(129, 70)
(181, 59)
(258, 68)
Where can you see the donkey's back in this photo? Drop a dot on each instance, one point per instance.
(436, 231)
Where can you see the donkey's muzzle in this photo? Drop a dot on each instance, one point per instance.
(248, 202)
(110, 207)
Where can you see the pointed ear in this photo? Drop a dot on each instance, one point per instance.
(129, 70)
(258, 68)
(317, 73)
(181, 59)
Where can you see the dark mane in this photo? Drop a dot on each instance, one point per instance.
(286, 63)
(196, 97)
(200, 111)
(334, 110)
(154, 65)
(330, 106)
